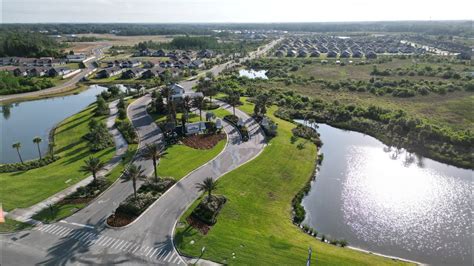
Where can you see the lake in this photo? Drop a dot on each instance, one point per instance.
(253, 74)
(21, 122)
(391, 202)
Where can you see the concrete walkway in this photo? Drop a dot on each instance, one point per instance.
(121, 146)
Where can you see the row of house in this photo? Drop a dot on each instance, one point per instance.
(178, 54)
(136, 72)
(344, 47)
(41, 71)
(31, 62)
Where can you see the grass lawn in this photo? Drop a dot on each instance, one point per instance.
(255, 223)
(23, 189)
(181, 159)
(12, 226)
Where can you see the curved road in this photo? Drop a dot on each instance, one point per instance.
(83, 238)
(59, 88)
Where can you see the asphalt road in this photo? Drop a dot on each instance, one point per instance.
(83, 238)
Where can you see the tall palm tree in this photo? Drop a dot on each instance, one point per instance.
(208, 185)
(17, 146)
(37, 141)
(153, 152)
(92, 165)
(234, 100)
(186, 106)
(198, 103)
(134, 173)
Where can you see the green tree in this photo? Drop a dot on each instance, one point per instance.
(37, 141)
(17, 146)
(208, 185)
(92, 165)
(134, 173)
(234, 100)
(153, 152)
(198, 103)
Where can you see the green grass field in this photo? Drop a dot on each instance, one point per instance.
(12, 226)
(181, 159)
(255, 223)
(23, 189)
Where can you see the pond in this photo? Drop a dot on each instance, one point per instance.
(253, 74)
(21, 122)
(389, 201)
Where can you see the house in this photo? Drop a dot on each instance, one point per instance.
(345, 54)
(370, 55)
(77, 58)
(196, 64)
(160, 53)
(7, 61)
(331, 53)
(130, 63)
(315, 53)
(206, 53)
(20, 72)
(133, 73)
(178, 92)
(291, 53)
(113, 63)
(357, 54)
(177, 89)
(153, 72)
(302, 53)
(37, 72)
(109, 72)
(58, 71)
(27, 62)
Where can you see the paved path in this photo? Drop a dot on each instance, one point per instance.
(121, 146)
(59, 88)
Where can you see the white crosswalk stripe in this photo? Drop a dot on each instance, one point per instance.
(88, 238)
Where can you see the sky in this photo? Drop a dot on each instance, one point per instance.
(172, 11)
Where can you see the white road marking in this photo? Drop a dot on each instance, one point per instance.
(138, 246)
(176, 258)
(116, 242)
(154, 251)
(56, 229)
(172, 255)
(149, 252)
(108, 241)
(167, 256)
(126, 246)
(85, 236)
(52, 229)
(76, 224)
(64, 232)
(75, 234)
(161, 252)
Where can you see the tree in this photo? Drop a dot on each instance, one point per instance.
(37, 141)
(198, 103)
(17, 146)
(186, 106)
(92, 165)
(208, 185)
(234, 100)
(153, 152)
(134, 173)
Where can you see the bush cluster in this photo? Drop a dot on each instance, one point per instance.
(28, 165)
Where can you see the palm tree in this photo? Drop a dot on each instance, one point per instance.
(234, 100)
(208, 185)
(134, 173)
(198, 103)
(153, 152)
(186, 106)
(17, 146)
(37, 141)
(92, 165)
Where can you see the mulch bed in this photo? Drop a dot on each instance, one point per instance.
(120, 219)
(75, 200)
(198, 225)
(203, 142)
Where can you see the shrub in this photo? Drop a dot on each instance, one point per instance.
(28, 165)
(208, 209)
(127, 130)
(135, 206)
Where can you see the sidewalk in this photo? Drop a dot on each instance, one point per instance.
(121, 147)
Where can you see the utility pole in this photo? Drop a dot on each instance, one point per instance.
(310, 251)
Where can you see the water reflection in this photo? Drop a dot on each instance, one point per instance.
(253, 74)
(390, 201)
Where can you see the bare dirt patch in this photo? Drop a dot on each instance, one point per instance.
(120, 219)
(203, 142)
(198, 225)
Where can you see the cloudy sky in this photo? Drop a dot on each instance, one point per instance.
(30, 11)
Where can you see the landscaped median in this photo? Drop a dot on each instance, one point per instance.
(255, 225)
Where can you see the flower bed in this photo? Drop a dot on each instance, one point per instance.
(203, 142)
(205, 214)
(132, 207)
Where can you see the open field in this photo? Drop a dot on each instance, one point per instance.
(112, 39)
(255, 223)
(23, 189)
